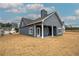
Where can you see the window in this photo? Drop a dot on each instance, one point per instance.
(30, 30)
(59, 30)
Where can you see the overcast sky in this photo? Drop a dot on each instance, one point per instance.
(13, 12)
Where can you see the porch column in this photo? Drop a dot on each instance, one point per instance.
(52, 30)
(34, 30)
(42, 30)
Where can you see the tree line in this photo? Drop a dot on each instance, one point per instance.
(71, 28)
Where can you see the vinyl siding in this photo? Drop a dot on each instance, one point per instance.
(53, 21)
(23, 30)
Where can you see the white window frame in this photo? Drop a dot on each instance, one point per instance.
(30, 30)
(58, 30)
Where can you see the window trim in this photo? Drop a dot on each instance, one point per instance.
(30, 30)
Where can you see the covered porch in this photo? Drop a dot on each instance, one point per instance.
(44, 30)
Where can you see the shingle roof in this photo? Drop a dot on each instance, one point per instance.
(27, 21)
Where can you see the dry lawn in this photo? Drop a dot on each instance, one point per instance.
(68, 44)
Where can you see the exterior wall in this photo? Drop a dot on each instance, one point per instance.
(46, 31)
(23, 30)
(53, 21)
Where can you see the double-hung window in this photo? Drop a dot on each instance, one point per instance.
(30, 30)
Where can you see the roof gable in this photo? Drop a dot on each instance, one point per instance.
(27, 21)
(59, 19)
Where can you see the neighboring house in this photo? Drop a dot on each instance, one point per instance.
(46, 25)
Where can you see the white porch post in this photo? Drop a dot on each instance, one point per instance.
(34, 30)
(42, 30)
(52, 30)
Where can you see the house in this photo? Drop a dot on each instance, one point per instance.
(46, 25)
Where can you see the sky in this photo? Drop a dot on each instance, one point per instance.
(13, 12)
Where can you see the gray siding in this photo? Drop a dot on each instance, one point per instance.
(23, 30)
(53, 21)
(32, 30)
(46, 31)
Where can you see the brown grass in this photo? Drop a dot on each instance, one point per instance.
(68, 44)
